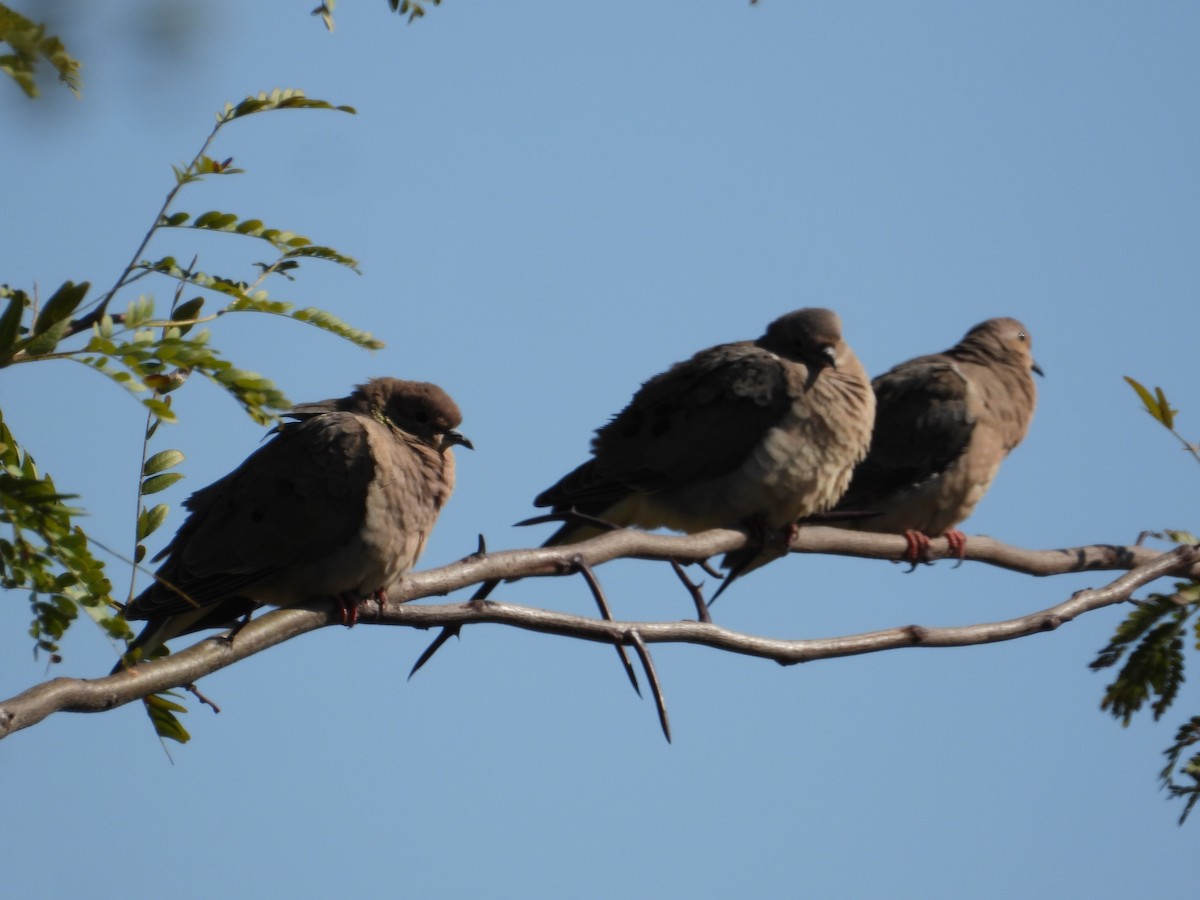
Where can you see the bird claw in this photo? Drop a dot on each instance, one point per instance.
(918, 550)
(348, 605)
(789, 534)
(958, 543)
(227, 638)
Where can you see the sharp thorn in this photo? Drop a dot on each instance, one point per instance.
(652, 676)
(593, 584)
(446, 633)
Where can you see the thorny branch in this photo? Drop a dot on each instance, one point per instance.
(1140, 565)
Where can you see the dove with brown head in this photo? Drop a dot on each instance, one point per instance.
(338, 503)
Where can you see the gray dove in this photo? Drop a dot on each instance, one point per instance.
(943, 425)
(757, 433)
(339, 503)
(761, 432)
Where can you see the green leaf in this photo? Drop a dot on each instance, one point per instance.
(60, 306)
(164, 384)
(325, 11)
(156, 483)
(1168, 414)
(150, 519)
(10, 322)
(206, 165)
(162, 714)
(331, 323)
(160, 409)
(1156, 404)
(259, 303)
(1155, 666)
(162, 461)
(1147, 398)
(29, 44)
(139, 311)
(1143, 617)
(1182, 537)
(217, 221)
(414, 9)
(276, 99)
(228, 222)
(46, 554)
(47, 341)
(325, 253)
(161, 702)
(1186, 737)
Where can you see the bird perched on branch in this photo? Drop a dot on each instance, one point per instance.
(338, 503)
(943, 425)
(758, 433)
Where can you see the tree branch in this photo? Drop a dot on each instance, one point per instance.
(1140, 564)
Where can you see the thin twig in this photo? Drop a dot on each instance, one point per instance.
(693, 589)
(195, 692)
(125, 276)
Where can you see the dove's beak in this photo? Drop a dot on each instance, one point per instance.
(1036, 368)
(826, 358)
(450, 438)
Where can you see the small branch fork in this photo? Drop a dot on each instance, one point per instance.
(1139, 565)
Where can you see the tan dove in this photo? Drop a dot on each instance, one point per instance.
(943, 425)
(339, 503)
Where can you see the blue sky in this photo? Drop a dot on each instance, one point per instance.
(551, 203)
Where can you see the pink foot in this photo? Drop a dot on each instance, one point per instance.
(789, 535)
(348, 604)
(958, 543)
(348, 607)
(918, 548)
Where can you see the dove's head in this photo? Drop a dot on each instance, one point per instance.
(418, 408)
(812, 336)
(1003, 340)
